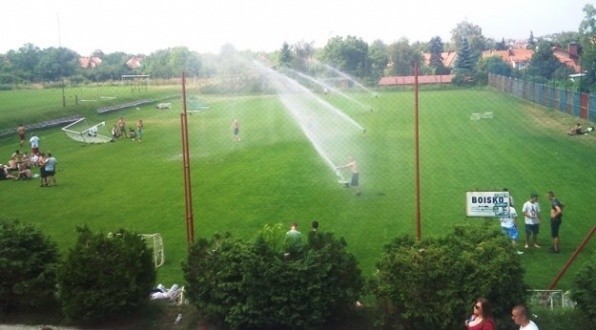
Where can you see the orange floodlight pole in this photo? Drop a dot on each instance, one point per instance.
(579, 249)
(190, 227)
(417, 154)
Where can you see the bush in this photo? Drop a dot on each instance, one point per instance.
(256, 286)
(432, 284)
(583, 290)
(28, 262)
(105, 276)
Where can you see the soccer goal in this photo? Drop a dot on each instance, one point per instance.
(84, 131)
(155, 242)
(137, 82)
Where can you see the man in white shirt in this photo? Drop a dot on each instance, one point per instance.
(519, 314)
(34, 140)
(531, 211)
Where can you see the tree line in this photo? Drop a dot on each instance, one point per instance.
(350, 54)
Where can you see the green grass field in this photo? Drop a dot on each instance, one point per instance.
(274, 175)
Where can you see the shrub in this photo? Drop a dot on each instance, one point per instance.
(432, 284)
(256, 286)
(105, 276)
(583, 290)
(28, 262)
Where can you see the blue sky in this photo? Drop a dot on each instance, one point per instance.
(135, 26)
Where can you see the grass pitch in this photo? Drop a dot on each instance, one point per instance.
(274, 175)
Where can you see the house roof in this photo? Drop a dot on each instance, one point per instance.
(568, 59)
(514, 55)
(410, 80)
(134, 62)
(448, 58)
(89, 62)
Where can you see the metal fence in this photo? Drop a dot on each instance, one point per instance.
(581, 105)
(552, 299)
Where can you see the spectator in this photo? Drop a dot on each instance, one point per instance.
(140, 127)
(481, 318)
(50, 170)
(531, 211)
(519, 315)
(509, 227)
(556, 218)
(122, 127)
(4, 174)
(21, 131)
(34, 141)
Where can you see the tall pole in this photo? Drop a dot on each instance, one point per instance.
(417, 153)
(61, 61)
(579, 249)
(189, 216)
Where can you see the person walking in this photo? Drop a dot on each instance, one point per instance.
(556, 218)
(531, 211)
(21, 132)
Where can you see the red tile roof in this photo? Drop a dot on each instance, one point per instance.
(89, 62)
(409, 80)
(447, 57)
(515, 55)
(568, 59)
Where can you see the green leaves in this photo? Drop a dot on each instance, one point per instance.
(257, 286)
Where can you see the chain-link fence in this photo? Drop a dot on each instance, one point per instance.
(581, 105)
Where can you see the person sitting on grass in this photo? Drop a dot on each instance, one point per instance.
(578, 130)
(4, 174)
(132, 133)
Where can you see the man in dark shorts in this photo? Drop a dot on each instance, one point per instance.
(236, 130)
(556, 217)
(353, 166)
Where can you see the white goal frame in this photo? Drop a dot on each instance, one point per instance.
(155, 242)
(86, 135)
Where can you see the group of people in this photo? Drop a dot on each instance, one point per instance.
(20, 166)
(119, 130)
(531, 212)
(482, 318)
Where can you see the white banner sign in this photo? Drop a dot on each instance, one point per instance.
(487, 204)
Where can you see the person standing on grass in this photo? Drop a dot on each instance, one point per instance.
(122, 127)
(509, 227)
(140, 127)
(354, 181)
(519, 315)
(49, 165)
(21, 132)
(531, 211)
(556, 217)
(236, 130)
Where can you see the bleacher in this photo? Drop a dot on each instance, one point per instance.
(44, 124)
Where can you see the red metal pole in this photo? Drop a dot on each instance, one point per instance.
(190, 234)
(417, 153)
(579, 249)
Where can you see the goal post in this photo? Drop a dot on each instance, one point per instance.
(136, 81)
(83, 131)
(155, 242)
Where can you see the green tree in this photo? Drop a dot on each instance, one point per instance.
(501, 45)
(435, 49)
(303, 53)
(402, 58)
(57, 63)
(431, 284)
(28, 263)
(543, 62)
(24, 62)
(583, 290)
(472, 33)
(531, 41)
(377, 54)
(285, 56)
(348, 54)
(259, 286)
(105, 276)
(587, 33)
(464, 64)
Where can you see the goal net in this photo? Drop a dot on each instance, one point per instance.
(155, 242)
(84, 131)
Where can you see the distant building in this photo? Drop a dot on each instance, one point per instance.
(517, 58)
(410, 80)
(89, 62)
(134, 62)
(448, 59)
(569, 57)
